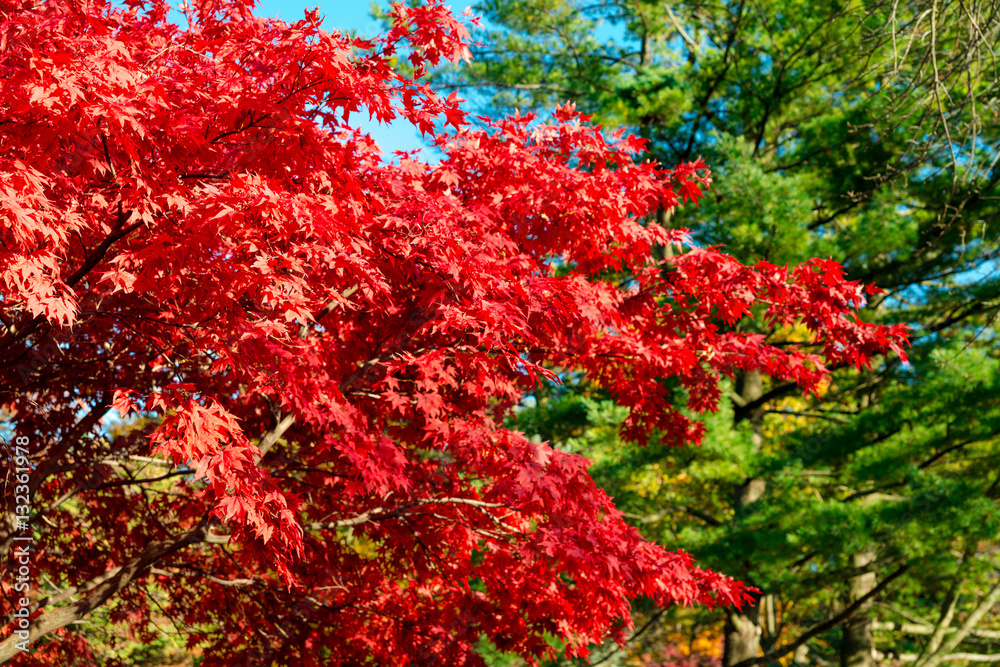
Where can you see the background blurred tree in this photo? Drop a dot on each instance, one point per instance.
(863, 131)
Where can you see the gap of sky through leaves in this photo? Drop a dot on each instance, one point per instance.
(354, 16)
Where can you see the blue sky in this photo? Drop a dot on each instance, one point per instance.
(353, 15)
(343, 14)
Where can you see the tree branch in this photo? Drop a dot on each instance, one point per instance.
(63, 616)
(940, 655)
(921, 629)
(954, 657)
(269, 439)
(824, 626)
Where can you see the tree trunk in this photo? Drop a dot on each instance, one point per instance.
(742, 634)
(743, 629)
(857, 646)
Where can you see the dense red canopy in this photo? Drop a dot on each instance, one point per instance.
(263, 372)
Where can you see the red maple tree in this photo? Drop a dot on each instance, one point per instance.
(263, 373)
